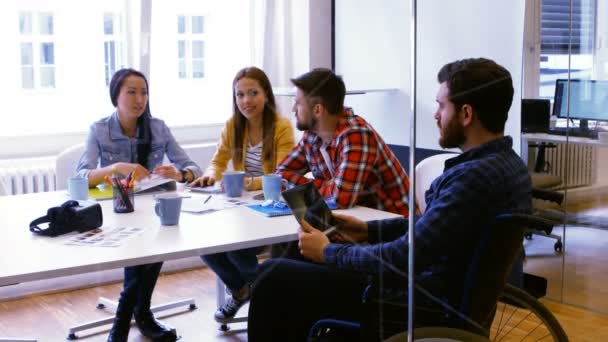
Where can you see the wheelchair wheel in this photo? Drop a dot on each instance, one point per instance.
(521, 317)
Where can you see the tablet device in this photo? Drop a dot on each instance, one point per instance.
(307, 203)
(209, 189)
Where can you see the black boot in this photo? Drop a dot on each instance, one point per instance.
(122, 323)
(153, 329)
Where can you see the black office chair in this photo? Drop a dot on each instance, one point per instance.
(551, 197)
(485, 279)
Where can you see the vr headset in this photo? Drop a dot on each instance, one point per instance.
(69, 217)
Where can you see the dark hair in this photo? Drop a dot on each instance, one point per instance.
(323, 84)
(268, 115)
(143, 122)
(484, 85)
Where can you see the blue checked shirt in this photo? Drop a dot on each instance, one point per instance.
(475, 186)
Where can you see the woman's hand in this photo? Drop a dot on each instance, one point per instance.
(168, 171)
(137, 171)
(204, 180)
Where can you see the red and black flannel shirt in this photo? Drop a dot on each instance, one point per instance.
(366, 172)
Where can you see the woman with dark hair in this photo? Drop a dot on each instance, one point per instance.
(132, 141)
(256, 139)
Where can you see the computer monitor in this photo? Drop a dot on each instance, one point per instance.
(588, 100)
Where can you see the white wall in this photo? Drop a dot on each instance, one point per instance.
(372, 52)
(450, 30)
(375, 54)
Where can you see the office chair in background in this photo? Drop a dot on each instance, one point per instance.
(66, 164)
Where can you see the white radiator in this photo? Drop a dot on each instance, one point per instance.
(575, 164)
(28, 178)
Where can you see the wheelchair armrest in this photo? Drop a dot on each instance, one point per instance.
(333, 326)
(548, 195)
(528, 221)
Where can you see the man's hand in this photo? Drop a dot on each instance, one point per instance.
(312, 242)
(350, 229)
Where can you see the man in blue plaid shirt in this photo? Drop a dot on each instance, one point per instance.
(487, 179)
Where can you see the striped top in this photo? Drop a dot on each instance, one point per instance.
(253, 160)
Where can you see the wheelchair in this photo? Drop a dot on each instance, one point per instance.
(489, 309)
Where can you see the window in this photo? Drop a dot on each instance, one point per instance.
(557, 40)
(74, 56)
(37, 47)
(113, 45)
(190, 46)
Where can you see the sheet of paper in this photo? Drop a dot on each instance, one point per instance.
(104, 237)
(209, 203)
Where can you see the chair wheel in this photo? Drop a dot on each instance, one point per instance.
(528, 236)
(558, 246)
(72, 336)
(224, 327)
(100, 306)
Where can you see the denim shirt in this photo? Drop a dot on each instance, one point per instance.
(106, 145)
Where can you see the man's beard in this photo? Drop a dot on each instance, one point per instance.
(452, 135)
(307, 126)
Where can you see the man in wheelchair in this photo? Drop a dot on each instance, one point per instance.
(487, 179)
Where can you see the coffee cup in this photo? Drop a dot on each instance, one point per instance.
(78, 188)
(272, 185)
(168, 209)
(234, 182)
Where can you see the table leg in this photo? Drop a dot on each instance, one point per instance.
(104, 303)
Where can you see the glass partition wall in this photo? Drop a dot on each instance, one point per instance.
(569, 68)
(542, 43)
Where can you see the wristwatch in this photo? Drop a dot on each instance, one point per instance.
(184, 173)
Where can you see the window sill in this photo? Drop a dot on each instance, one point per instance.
(51, 145)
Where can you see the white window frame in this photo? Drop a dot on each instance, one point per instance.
(532, 53)
(118, 38)
(36, 39)
(189, 38)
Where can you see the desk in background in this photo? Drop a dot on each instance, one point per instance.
(574, 159)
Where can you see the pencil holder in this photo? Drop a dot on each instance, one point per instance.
(123, 200)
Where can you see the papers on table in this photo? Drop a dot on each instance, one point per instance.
(104, 237)
(209, 203)
(154, 183)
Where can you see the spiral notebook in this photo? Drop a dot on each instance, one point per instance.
(270, 210)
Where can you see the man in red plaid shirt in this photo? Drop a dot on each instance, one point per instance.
(349, 161)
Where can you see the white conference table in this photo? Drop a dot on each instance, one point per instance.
(26, 257)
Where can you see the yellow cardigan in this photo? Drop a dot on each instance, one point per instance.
(283, 144)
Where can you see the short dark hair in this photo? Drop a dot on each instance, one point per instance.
(325, 85)
(484, 85)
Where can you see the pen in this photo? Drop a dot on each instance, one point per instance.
(330, 230)
(207, 200)
(108, 181)
(132, 180)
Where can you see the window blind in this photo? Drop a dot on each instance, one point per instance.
(555, 26)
